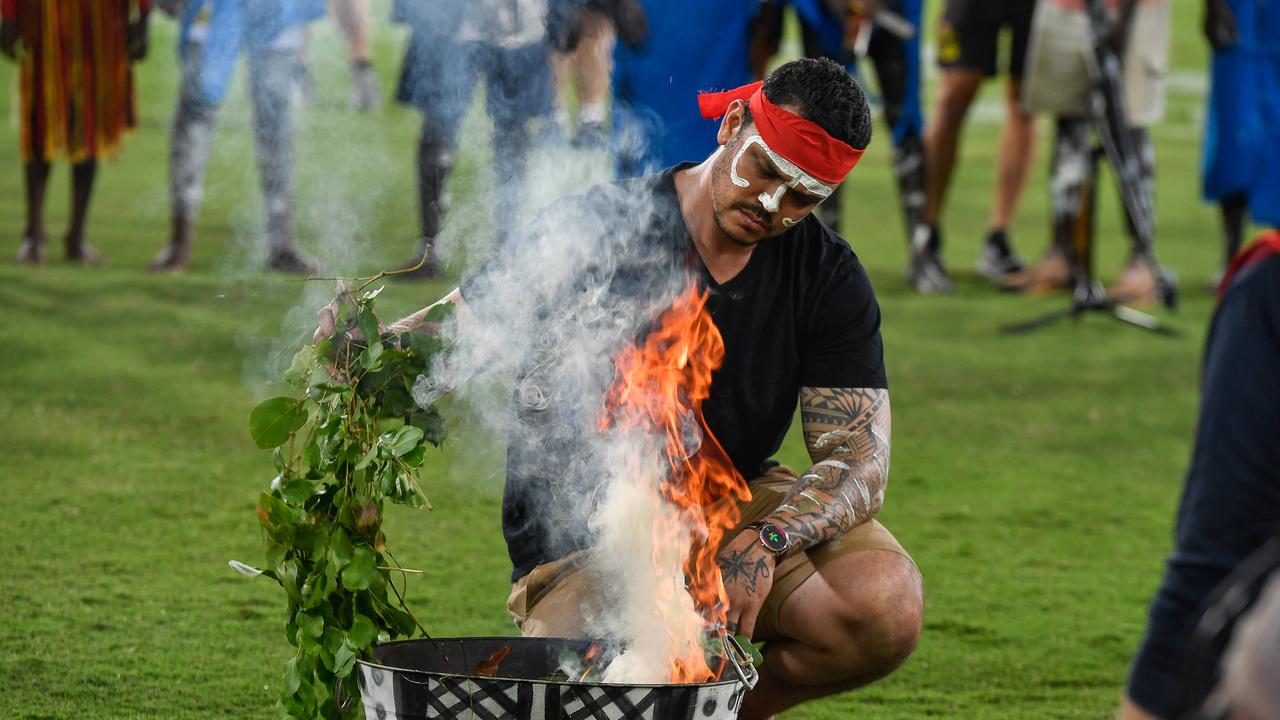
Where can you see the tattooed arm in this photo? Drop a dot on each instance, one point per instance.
(847, 433)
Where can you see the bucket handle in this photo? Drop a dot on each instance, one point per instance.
(740, 661)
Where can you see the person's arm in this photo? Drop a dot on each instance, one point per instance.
(1219, 24)
(327, 318)
(847, 433)
(9, 28)
(136, 29)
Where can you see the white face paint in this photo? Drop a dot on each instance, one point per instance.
(772, 202)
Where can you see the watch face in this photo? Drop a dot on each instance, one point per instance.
(774, 538)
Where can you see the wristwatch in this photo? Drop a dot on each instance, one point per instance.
(773, 538)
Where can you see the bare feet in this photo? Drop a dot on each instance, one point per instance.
(31, 251)
(1137, 284)
(1050, 273)
(175, 258)
(1145, 283)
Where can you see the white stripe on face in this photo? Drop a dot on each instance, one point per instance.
(772, 202)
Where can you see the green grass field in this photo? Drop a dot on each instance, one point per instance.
(1034, 477)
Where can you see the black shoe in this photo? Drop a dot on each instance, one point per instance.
(998, 261)
(293, 260)
(925, 272)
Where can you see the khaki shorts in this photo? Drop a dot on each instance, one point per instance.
(1059, 75)
(553, 599)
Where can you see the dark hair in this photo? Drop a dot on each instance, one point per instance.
(824, 93)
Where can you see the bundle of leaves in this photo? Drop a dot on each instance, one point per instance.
(350, 440)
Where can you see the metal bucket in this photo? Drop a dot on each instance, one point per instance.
(435, 678)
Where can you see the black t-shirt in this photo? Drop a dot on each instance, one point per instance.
(801, 313)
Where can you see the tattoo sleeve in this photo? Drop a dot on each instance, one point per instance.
(847, 432)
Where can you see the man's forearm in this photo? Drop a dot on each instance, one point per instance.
(847, 433)
(417, 322)
(835, 495)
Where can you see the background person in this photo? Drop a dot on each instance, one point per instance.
(583, 36)
(1230, 503)
(968, 49)
(77, 100)
(828, 31)
(451, 46)
(1060, 83)
(690, 47)
(1241, 166)
(215, 33)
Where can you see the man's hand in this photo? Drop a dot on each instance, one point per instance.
(1219, 24)
(747, 569)
(9, 34)
(136, 38)
(327, 328)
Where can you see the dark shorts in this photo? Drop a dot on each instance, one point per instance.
(439, 77)
(969, 34)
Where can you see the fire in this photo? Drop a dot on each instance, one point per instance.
(659, 389)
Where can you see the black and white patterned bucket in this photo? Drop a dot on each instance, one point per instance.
(417, 679)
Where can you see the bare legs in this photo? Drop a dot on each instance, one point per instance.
(37, 182)
(1017, 151)
(942, 138)
(37, 179)
(849, 624)
(942, 144)
(353, 21)
(82, 177)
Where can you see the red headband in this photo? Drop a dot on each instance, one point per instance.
(802, 142)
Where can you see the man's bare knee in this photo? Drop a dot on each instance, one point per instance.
(883, 617)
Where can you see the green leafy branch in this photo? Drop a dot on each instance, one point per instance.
(350, 440)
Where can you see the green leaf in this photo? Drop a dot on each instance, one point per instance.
(340, 548)
(368, 458)
(362, 632)
(312, 625)
(297, 491)
(300, 368)
(406, 440)
(368, 325)
(360, 571)
(292, 679)
(441, 312)
(272, 421)
(344, 659)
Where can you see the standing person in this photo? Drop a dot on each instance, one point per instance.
(77, 100)
(1230, 503)
(583, 35)
(451, 46)
(968, 44)
(833, 30)
(685, 52)
(355, 21)
(1060, 82)
(1241, 170)
(214, 35)
(807, 568)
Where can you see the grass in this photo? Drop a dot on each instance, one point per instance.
(1034, 477)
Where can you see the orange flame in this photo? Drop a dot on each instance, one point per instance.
(659, 389)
